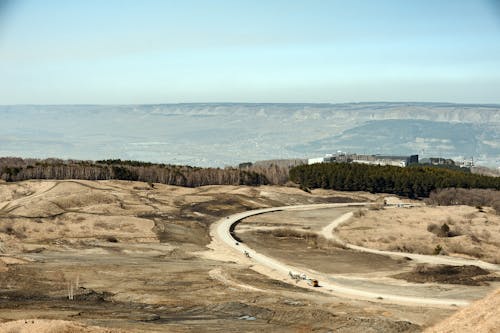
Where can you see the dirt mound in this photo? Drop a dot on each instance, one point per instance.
(36, 208)
(461, 231)
(467, 275)
(81, 200)
(52, 326)
(482, 316)
(223, 205)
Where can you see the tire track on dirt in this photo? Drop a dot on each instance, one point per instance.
(226, 246)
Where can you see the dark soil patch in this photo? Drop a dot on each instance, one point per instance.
(332, 260)
(223, 205)
(339, 200)
(466, 275)
(183, 232)
(92, 296)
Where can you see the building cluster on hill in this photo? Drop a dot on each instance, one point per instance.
(343, 157)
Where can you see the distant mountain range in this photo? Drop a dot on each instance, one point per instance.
(230, 133)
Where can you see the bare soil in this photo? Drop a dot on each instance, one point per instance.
(482, 316)
(473, 232)
(300, 251)
(131, 256)
(327, 260)
(466, 275)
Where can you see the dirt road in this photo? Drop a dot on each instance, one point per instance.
(221, 233)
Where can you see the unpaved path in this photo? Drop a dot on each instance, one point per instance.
(328, 232)
(16, 203)
(227, 248)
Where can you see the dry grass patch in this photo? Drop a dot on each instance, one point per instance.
(312, 239)
(459, 231)
(9, 229)
(359, 213)
(104, 225)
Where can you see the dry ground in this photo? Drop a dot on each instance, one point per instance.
(130, 255)
(292, 237)
(257, 232)
(473, 232)
(133, 257)
(474, 318)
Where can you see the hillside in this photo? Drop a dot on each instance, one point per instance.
(192, 133)
(482, 316)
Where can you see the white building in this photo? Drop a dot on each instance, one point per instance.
(315, 160)
(327, 158)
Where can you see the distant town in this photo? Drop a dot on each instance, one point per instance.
(394, 160)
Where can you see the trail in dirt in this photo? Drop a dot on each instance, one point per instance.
(227, 247)
(16, 203)
(329, 233)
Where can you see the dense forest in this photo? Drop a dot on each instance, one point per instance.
(17, 169)
(412, 182)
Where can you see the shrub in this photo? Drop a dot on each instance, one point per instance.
(104, 225)
(112, 239)
(443, 231)
(421, 269)
(7, 229)
(359, 213)
(378, 206)
(410, 247)
(305, 189)
(469, 250)
(10, 230)
(433, 227)
(496, 206)
(438, 249)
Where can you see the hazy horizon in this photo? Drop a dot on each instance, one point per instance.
(258, 103)
(219, 134)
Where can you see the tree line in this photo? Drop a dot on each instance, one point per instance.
(18, 169)
(412, 182)
(461, 196)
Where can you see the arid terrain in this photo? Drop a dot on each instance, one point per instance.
(464, 231)
(118, 256)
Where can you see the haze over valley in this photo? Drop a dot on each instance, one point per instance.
(231, 133)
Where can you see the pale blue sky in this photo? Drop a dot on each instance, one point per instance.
(121, 52)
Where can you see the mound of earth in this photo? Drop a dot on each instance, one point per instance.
(461, 231)
(52, 326)
(482, 316)
(467, 275)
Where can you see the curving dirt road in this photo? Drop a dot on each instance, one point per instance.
(328, 232)
(227, 246)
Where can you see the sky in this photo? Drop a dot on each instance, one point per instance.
(148, 52)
